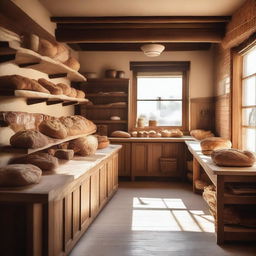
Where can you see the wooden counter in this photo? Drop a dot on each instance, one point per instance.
(49, 218)
(221, 177)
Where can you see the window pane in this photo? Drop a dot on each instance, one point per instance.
(159, 87)
(249, 91)
(249, 63)
(167, 113)
(249, 139)
(249, 116)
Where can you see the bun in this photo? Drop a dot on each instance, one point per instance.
(120, 134)
(19, 175)
(134, 134)
(73, 63)
(165, 133)
(53, 128)
(51, 87)
(66, 89)
(80, 94)
(213, 143)
(233, 157)
(201, 134)
(176, 133)
(72, 93)
(46, 48)
(62, 54)
(103, 141)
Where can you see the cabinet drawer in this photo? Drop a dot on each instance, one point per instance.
(168, 165)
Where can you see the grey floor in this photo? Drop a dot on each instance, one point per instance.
(152, 218)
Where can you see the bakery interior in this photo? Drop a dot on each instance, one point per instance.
(127, 127)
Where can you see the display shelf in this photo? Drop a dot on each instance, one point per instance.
(53, 142)
(110, 121)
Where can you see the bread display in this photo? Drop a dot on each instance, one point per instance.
(62, 54)
(19, 175)
(103, 141)
(53, 128)
(176, 133)
(120, 134)
(200, 134)
(44, 161)
(213, 143)
(17, 82)
(51, 87)
(29, 139)
(66, 154)
(80, 94)
(46, 48)
(84, 146)
(233, 157)
(66, 89)
(72, 63)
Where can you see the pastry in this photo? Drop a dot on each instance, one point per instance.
(66, 89)
(51, 87)
(80, 94)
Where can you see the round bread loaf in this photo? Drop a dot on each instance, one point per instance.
(233, 157)
(120, 134)
(53, 128)
(29, 139)
(19, 175)
(46, 48)
(44, 161)
(176, 133)
(214, 143)
(66, 89)
(72, 63)
(84, 146)
(51, 87)
(200, 134)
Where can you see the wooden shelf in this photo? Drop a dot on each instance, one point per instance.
(107, 94)
(110, 121)
(53, 142)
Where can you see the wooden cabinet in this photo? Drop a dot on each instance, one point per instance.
(109, 97)
(124, 160)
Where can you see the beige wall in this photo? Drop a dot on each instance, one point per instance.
(201, 71)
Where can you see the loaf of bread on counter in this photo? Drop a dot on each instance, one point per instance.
(53, 128)
(51, 87)
(66, 154)
(72, 63)
(176, 133)
(103, 141)
(84, 146)
(233, 157)
(44, 161)
(120, 134)
(200, 134)
(17, 82)
(213, 143)
(29, 139)
(19, 175)
(46, 48)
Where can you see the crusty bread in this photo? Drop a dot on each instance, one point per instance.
(62, 54)
(66, 154)
(214, 143)
(53, 128)
(17, 82)
(19, 175)
(80, 94)
(66, 89)
(44, 161)
(46, 48)
(120, 134)
(72, 63)
(29, 139)
(233, 157)
(51, 87)
(84, 146)
(176, 133)
(200, 134)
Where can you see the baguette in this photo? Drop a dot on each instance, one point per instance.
(51, 87)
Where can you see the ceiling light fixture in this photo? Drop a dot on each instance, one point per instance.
(152, 50)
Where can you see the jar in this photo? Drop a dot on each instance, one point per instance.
(141, 122)
(152, 123)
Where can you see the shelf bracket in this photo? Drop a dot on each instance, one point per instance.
(68, 103)
(53, 102)
(51, 76)
(35, 101)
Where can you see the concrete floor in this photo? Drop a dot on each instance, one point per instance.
(155, 219)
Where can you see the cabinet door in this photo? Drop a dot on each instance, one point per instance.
(124, 160)
(110, 176)
(154, 155)
(115, 171)
(103, 183)
(139, 159)
(94, 191)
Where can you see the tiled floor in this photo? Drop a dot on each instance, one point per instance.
(148, 219)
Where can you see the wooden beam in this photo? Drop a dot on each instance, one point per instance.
(143, 19)
(139, 35)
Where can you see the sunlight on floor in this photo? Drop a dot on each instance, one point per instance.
(168, 214)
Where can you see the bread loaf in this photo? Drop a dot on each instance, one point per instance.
(152, 134)
(120, 134)
(72, 63)
(214, 143)
(134, 134)
(233, 157)
(46, 48)
(62, 54)
(165, 133)
(44, 161)
(80, 94)
(51, 87)
(200, 134)
(72, 93)
(17, 82)
(66, 89)
(84, 146)
(176, 133)
(103, 141)
(29, 139)
(66, 154)
(19, 175)
(53, 128)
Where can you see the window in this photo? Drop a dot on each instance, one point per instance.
(249, 100)
(159, 92)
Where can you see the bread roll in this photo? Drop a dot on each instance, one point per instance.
(29, 139)
(134, 134)
(51, 87)
(53, 128)
(17, 82)
(72, 93)
(66, 154)
(152, 134)
(233, 157)
(72, 63)
(214, 143)
(62, 54)
(103, 141)
(200, 134)
(66, 89)
(19, 175)
(176, 133)
(44, 161)
(80, 94)
(46, 48)
(84, 146)
(120, 134)
(165, 133)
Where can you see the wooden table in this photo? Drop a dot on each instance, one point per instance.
(220, 176)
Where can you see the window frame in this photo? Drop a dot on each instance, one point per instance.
(151, 67)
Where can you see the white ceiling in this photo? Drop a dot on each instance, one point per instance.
(142, 7)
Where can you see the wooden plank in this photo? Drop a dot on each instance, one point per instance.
(94, 192)
(103, 183)
(85, 202)
(76, 212)
(67, 222)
